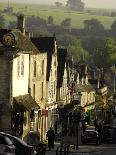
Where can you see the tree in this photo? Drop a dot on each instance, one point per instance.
(58, 4)
(73, 44)
(66, 23)
(50, 20)
(93, 26)
(113, 28)
(12, 25)
(102, 51)
(76, 5)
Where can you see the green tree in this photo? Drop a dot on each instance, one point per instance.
(102, 51)
(113, 28)
(93, 26)
(76, 5)
(73, 44)
(78, 52)
(50, 20)
(66, 23)
(2, 21)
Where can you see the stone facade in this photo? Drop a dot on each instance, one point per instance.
(5, 93)
(37, 84)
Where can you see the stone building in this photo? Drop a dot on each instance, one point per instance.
(47, 45)
(15, 101)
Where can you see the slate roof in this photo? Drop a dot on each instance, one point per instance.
(46, 44)
(24, 43)
(61, 58)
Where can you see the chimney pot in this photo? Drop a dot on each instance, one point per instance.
(21, 23)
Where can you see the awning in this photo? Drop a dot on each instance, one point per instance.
(26, 101)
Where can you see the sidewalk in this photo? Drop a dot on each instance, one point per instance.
(72, 151)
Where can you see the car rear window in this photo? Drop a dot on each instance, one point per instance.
(91, 133)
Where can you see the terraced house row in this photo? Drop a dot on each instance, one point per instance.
(39, 86)
(33, 79)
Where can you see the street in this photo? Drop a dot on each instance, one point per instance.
(104, 149)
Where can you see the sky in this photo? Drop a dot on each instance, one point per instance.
(106, 4)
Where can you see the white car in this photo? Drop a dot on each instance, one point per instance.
(6, 146)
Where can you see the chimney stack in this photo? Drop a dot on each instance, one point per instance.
(21, 23)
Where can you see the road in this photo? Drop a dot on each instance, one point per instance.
(104, 149)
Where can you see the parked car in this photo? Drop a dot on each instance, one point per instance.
(90, 136)
(21, 147)
(109, 134)
(6, 146)
(33, 139)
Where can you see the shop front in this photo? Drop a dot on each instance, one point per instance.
(23, 114)
(53, 115)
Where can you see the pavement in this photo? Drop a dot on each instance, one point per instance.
(82, 150)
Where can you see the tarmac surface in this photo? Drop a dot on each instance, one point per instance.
(82, 150)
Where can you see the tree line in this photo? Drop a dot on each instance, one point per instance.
(95, 46)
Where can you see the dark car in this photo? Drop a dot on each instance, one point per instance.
(21, 147)
(90, 136)
(6, 146)
(109, 134)
(33, 139)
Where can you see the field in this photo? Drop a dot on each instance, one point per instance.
(58, 14)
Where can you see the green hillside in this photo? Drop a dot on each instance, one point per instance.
(58, 14)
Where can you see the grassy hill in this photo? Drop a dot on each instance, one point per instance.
(58, 14)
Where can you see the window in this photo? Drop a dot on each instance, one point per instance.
(22, 65)
(34, 68)
(18, 66)
(55, 63)
(34, 91)
(42, 66)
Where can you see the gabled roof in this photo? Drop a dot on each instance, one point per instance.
(23, 43)
(46, 44)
